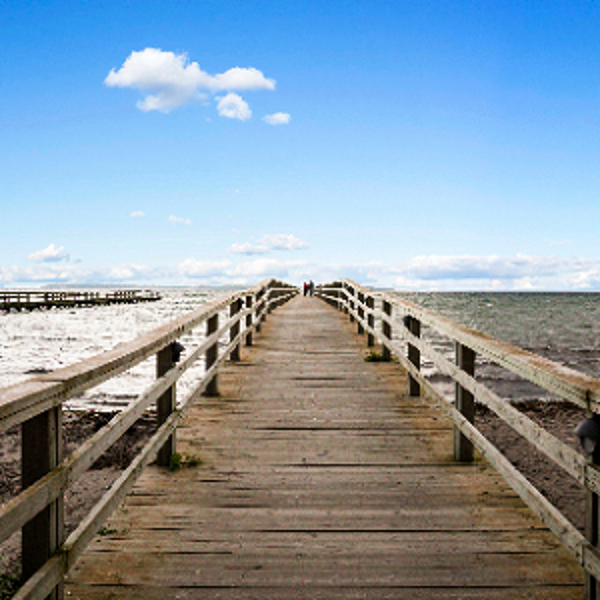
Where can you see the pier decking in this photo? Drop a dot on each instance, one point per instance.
(321, 478)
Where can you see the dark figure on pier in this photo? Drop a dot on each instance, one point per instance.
(305, 288)
(311, 288)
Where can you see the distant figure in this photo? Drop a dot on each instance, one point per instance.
(305, 288)
(311, 287)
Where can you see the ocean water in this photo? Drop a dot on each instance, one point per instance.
(43, 340)
(564, 327)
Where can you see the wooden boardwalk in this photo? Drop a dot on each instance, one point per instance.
(321, 479)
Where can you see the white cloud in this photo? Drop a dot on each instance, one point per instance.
(248, 248)
(263, 267)
(241, 80)
(50, 254)
(233, 106)
(279, 118)
(170, 80)
(202, 269)
(179, 220)
(280, 241)
(138, 213)
(426, 273)
(284, 241)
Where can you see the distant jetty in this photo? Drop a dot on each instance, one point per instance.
(31, 300)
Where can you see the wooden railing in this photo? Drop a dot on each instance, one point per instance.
(395, 323)
(37, 406)
(27, 300)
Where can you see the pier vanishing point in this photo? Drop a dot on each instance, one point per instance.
(306, 470)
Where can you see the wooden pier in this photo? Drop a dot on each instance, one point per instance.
(307, 472)
(321, 478)
(32, 300)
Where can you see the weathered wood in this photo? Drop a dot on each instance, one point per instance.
(566, 457)
(249, 302)
(41, 452)
(32, 300)
(464, 402)
(212, 354)
(370, 321)
(592, 533)
(165, 405)
(234, 309)
(386, 329)
(414, 354)
(321, 477)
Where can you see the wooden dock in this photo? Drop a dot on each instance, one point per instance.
(32, 300)
(321, 478)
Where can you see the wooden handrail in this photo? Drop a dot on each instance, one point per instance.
(38, 401)
(380, 313)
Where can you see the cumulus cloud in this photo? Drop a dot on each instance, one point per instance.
(248, 248)
(170, 80)
(280, 241)
(50, 254)
(284, 241)
(202, 269)
(233, 106)
(138, 213)
(279, 118)
(179, 220)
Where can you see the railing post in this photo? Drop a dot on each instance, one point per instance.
(361, 312)
(465, 403)
(165, 405)
(345, 300)
(371, 321)
(211, 356)
(386, 329)
(258, 310)
(592, 526)
(234, 309)
(414, 354)
(41, 439)
(249, 300)
(351, 303)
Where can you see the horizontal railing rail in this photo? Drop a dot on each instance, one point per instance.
(36, 405)
(395, 324)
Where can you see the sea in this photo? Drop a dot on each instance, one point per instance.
(564, 327)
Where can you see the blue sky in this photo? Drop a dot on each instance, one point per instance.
(420, 145)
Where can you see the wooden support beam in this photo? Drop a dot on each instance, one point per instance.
(234, 309)
(386, 330)
(592, 526)
(371, 321)
(361, 313)
(166, 404)
(41, 452)
(465, 403)
(249, 301)
(414, 354)
(212, 354)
